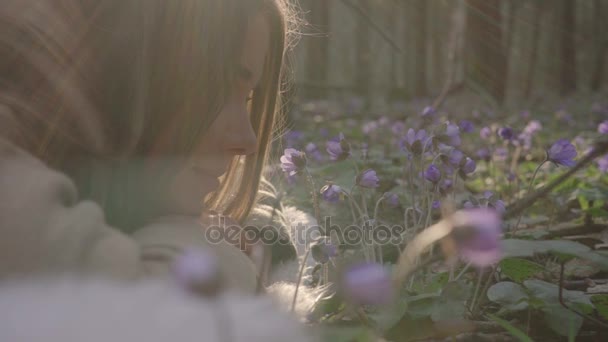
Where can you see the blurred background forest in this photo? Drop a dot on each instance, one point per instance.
(381, 52)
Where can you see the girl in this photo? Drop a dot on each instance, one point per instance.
(121, 116)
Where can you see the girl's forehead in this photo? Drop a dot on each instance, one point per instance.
(255, 48)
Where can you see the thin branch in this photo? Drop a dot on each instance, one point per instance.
(600, 148)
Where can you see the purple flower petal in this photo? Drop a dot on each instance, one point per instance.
(368, 179)
(331, 193)
(392, 200)
(469, 166)
(562, 152)
(603, 127)
(477, 235)
(293, 161)
(432, 174)
(485, 133)
(367, 284)
(506, 133)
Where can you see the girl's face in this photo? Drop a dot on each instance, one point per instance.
(230, 135)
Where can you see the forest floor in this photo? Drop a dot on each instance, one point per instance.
(412, 166)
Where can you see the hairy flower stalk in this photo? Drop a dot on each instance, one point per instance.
(315, 197)
(302, 267)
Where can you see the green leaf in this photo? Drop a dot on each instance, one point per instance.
(511, 329)
(562, 321)
(422, 305)
(561, 248)
(549, 293)
(601, 304)
(519, 269)
(509, 295)
(387, 317)
(448, 310)
(451, 302)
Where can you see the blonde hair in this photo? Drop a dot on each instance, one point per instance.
(94, 82)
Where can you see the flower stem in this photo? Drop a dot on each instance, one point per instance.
(300, 274)
(529, 189)
(477, 286)
(315, 199)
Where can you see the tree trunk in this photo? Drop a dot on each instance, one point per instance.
(318, 53)
(538, 13)
(363, 77)
(419, 26)
(485, 58)
(568, 52)
(600, 45)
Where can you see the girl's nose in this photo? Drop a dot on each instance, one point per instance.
(239, 138)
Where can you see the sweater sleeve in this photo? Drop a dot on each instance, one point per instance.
(46, 229)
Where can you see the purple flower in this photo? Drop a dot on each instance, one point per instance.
(485, 133)
(506, 133)
(369, 127)
(533, 127)
(293, 137)
(313, 150)
(197, 270)
(499, 205)
(562, 152)
(338, 150)
(428, 111)
(511, 176)
(445, 186)
(452, 134)
(293, 161)
(432, 174)
(469, 166)
(331, 193)
(322, 250)
(455, 157)
(487, 195)
(392, 200)
(451, 129)
(368, 179)
(602, 164)
(398, 127)
(466, 126)
(603, 127)
(477, 235)
(501, 153)
(367, 284)
(415, 142)
(484, 154)
(436, 204)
